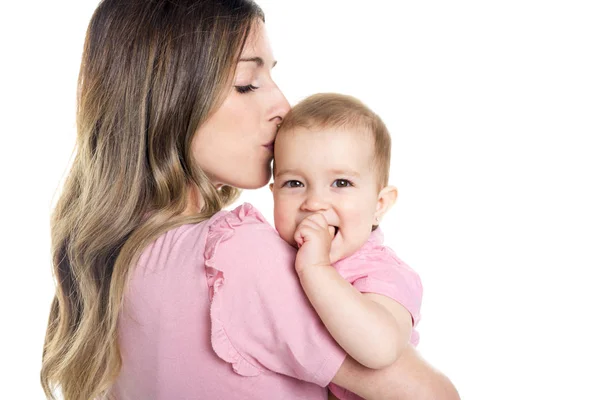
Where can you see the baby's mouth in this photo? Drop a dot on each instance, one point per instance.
(336, 231)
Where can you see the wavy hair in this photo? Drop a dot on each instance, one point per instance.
(152, 72)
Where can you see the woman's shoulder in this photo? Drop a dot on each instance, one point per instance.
(243, 217)
(243, 231)
(244, 225)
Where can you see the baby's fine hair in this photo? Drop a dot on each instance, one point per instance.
(333, 110)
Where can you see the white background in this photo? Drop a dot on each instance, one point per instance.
(494, 108)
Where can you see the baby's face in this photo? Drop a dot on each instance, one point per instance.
(328, 171)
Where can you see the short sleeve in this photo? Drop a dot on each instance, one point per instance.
(387, 275)
(260, 317)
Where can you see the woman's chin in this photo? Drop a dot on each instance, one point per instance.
(253, 182)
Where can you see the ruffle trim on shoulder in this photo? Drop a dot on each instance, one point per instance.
(219, 231)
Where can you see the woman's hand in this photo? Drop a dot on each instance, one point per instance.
(313, 236)
(409, 378)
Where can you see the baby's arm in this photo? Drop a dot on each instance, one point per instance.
(373, 329)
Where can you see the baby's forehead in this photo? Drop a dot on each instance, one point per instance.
(296, 145)
(332, 132)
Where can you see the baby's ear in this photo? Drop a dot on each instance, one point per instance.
(385, 200)
(271, 186)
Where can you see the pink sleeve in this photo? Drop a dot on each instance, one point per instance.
(260, 318)
(378, 270)
(389, 276)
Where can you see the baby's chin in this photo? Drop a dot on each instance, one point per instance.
(337, 252)
(342, 247)
(333, 258)
(291, 241)
(289, 238)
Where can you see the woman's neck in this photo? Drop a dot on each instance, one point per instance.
(194, 201)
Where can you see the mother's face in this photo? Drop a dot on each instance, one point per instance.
(235, 145)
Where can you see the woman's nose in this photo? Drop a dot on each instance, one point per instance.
(280, 106)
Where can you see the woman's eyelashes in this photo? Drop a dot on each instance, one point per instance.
(246, 88)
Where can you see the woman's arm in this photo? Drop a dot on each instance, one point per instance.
(263, 321)
(410, 377)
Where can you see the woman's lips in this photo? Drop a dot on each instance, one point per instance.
(269, 146)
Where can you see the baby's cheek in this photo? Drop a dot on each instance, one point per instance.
(360, 222)
(285, 225)
(358, 217)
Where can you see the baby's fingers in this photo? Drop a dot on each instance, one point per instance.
(317, 218)
(301, 234)
(307, 230)
(319, 221)
(331, 231)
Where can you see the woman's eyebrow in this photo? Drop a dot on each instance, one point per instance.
(259, 61)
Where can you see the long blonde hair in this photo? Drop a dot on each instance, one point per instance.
(152, 72)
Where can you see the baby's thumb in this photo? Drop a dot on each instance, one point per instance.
(298, 238)
(331, 231)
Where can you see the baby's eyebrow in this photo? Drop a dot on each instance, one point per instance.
(258, 60)
(284, 172)
(348, 172)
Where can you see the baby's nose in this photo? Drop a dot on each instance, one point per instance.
(314, 203)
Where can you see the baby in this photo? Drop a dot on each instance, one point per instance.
(330, 190)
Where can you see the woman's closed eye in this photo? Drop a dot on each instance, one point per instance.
(292, 184)
(246, 88)
(342, 183)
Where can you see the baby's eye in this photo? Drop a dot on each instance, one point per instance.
(293, 184)
(342, 183)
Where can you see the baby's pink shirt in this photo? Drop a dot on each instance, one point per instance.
(375, 268)
(214, 310)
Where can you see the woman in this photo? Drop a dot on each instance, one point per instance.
(176, 112)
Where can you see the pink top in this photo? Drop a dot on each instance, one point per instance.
(214, 310)
(375, 268)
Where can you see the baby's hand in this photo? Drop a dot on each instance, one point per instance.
(313, 237)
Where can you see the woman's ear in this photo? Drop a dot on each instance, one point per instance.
(385, 200)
